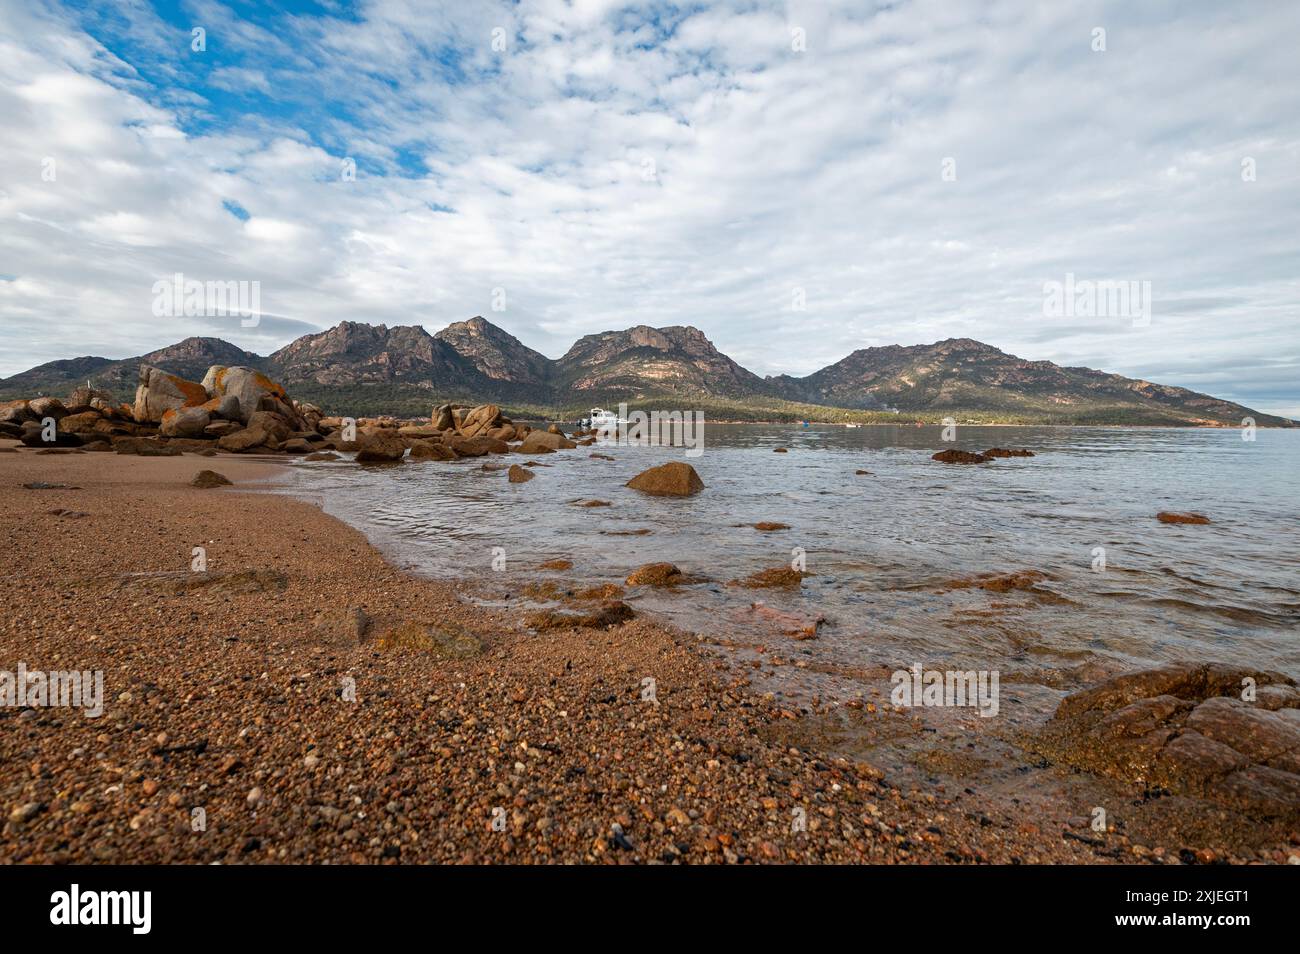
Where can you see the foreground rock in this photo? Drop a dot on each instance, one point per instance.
(1218, 732)
(520, 475)
(206, 479)
(675, 479)
(954, 456)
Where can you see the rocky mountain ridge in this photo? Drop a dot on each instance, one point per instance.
(356, 368)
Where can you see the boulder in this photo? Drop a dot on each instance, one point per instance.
(477, 446)
(480, 420)
(15, 412)
(542, 442)
(33, 435)
(520, 475)
(245, 439)
(85, 398)
(674, 479)
(323, 455)
(442, 418)
(43, 407)
(222, 428)
(246, 385)
(506, 432)
(228, 408)
(184, 422)
(87, 422)
(427, 450)
(274, 424)
(954, 456)
(381, 447)
(420, 432)
(159, 392)
(295, 445)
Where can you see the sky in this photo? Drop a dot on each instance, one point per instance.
(798, 180)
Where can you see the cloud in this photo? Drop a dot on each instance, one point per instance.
(916, 171)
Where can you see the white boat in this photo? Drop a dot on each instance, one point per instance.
(852, 425)
(599, 417)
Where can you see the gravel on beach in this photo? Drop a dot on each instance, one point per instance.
(302, 700)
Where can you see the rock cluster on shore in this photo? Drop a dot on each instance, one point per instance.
(241, 410)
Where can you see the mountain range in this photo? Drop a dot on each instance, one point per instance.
(359, 368)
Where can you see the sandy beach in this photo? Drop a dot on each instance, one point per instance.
(227, 708)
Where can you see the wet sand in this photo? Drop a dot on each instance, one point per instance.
(230, 692)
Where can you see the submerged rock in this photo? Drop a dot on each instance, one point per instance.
(657, 574)
(1008, 452)
(1000, 582)
(1166, 516)
(613, 613)
(788, 624)
(781, 576)
(953, 456)
(519, 475)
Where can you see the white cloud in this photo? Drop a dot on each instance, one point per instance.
(604, 174)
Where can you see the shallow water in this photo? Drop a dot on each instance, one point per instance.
(881, 547)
